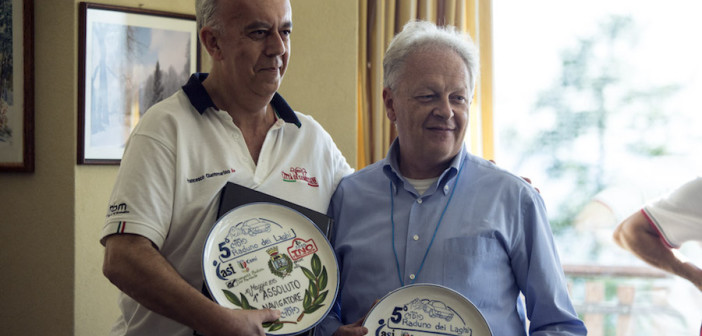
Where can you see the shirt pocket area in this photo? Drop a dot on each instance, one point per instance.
(479, 266)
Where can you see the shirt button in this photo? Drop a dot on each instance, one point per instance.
(446, 188)
(416, 237)
(411, 276)
(419, 200)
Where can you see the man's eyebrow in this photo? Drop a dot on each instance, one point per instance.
(265, 25)
(258, 25)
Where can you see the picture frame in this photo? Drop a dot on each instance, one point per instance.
(17, 86)
(129, 59)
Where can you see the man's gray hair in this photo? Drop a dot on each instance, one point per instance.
(206, 14)
(422, 35)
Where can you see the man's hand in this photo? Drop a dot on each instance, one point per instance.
(246, 322)
(528, 180)
(695, 275)
(354, 329)
(137, 268)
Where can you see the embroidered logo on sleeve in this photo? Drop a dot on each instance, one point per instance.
(299, 174)
(117, 209)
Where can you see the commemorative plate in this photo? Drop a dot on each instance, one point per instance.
(425, 309)
(266, 255)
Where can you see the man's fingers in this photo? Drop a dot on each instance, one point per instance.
(351, 330)
(267, 315)
(361, 331)
(359, 322)
(524, 178)
(529, 181)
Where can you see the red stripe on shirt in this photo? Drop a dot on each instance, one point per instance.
(120, 227)
(658, 231)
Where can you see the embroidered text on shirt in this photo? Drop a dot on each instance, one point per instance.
(299, 174)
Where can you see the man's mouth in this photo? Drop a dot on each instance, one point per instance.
(270, 68)
(441, 128)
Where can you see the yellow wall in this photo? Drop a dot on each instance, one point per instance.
(324, 58)
(50, 220)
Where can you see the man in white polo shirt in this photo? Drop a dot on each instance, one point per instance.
(663, 225)
(228, 125)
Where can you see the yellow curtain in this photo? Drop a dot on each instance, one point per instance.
(380, 21)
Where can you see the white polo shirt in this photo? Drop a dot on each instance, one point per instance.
(178, 159)
(678, 216)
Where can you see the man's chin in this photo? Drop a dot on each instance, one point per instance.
(441, 154)
(443, 144)
(267, 88)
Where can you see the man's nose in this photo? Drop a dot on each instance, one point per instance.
(275, 44)
(444, 109)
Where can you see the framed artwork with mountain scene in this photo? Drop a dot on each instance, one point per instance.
(129, 60)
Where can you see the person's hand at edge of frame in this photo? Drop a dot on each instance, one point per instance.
(523, 178)
(247, 322)
(356, 328)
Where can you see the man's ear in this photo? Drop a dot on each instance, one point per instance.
(210, 40)
(388, 101)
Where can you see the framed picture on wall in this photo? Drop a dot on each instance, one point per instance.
(129, 59)
(17, 85)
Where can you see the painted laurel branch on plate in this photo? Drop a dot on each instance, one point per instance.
(315, 294)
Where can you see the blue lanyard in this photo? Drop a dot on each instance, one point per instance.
(392, 220)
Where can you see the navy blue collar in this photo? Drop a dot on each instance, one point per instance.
(201, 100)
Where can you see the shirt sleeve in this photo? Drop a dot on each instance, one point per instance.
(540, 275)
(142, 198)
(678, 216)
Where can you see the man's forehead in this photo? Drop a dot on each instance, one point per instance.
(263, 12)
(436, 83)
(423, 64)
(418, 78)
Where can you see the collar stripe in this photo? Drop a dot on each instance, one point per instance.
(201, 100)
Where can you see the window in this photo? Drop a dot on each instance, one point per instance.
(598, 102)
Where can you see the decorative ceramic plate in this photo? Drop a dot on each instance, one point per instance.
(266, 255)
(425, 309)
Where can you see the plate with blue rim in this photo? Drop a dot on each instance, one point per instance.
(425, 309)
(266, 255)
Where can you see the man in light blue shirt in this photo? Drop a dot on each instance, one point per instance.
(430, 212)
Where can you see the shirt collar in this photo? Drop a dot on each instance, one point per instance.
(201, 100)
(391, 168)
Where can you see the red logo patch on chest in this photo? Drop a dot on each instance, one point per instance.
(299, 174)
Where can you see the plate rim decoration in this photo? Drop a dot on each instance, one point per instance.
(428, 288)
(316, 281)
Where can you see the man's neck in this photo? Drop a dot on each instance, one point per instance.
(417, 168)
(421, 171)
(252, 114)
(236, 101)
(254, 128)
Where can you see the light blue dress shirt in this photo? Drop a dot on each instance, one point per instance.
(493, 242)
